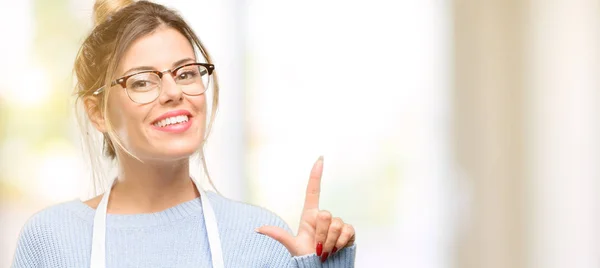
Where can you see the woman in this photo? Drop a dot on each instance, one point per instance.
(144, 87)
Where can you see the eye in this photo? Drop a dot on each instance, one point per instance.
(143, 82)
(140, 84)
(188, 74)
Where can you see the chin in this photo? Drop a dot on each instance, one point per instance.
(171, 151)
(176, 153)
(168, 147)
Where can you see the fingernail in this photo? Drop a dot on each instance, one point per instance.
(324, 257)
(320, 158)
(256, 230)
(334, 250)
(319, 249)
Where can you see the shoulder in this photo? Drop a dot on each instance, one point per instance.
(57, 216)
(53, 222)
(231, 210)
(46, 231)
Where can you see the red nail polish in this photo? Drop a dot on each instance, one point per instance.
(324, 257)
(334, 250)
(319, 249)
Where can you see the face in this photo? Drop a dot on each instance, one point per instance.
(153, 131)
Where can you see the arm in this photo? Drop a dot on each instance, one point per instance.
(29, 247)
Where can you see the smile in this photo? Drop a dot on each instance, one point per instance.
(172, 121)
(177, 121)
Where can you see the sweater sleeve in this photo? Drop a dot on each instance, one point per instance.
(341, 259)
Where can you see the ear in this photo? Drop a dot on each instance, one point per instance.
(93, 109)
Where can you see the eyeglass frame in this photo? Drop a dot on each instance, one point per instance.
(123, 80)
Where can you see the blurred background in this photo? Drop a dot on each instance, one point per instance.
(459, 133)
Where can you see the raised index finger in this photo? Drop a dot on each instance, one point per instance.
(313, 190)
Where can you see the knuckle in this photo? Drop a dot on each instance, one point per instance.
(314, 191)
(321, 237)
(336, 232)
(324, 215)
(337, 225)
(349, 228)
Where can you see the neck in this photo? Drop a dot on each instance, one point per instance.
(150, 186)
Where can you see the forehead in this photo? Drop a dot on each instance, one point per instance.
(159, 49)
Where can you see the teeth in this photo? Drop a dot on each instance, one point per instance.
(171, 120)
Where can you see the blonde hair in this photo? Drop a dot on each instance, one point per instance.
(117, 24)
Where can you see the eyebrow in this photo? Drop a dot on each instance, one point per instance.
(150, 68)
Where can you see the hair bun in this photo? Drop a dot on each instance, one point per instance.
(105, 8)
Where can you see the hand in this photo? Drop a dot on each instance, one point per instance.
(318, 231)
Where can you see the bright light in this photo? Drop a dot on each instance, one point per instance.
(60, 174)
(29, 87)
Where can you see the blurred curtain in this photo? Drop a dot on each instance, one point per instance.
(563, 119)
(527, 132)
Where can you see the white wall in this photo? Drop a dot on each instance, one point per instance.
(366, 84)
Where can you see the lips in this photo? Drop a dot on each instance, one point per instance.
(171, 117)
(171, 121)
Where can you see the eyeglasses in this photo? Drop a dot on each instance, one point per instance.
(145, 87)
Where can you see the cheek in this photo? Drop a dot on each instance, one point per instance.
(201, 104)
(123, 114)
(202, 111)
(114, 105)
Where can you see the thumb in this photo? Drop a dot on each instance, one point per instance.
(279, 234)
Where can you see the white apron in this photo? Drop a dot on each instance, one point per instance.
(98, 258)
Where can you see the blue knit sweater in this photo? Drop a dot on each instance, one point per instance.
(61, 236)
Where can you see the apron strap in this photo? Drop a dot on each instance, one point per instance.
(212, 230)
(98, 257)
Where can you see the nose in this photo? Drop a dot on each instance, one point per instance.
(170, 90)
